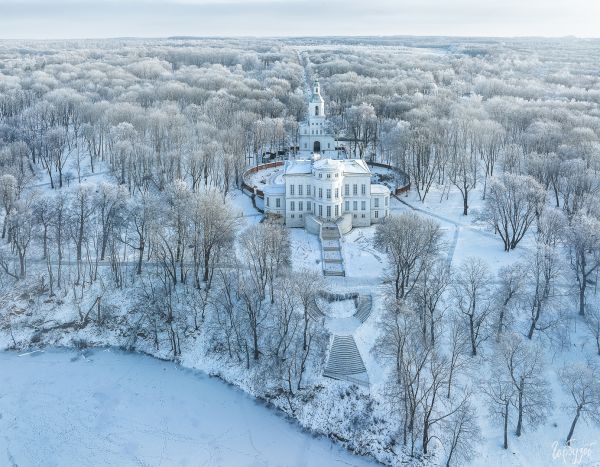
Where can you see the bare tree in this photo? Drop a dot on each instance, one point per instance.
(21, 230)
(427, 298)
(499, 393)
(411, 242)
(214, 226)
(592, 321)
(307, 284)
(522, 364)
(513, 204)
(582, 383)
(583, 241)
(463, 433)
(542, 271)
(8, 195)
(507, 295)
(471, 297)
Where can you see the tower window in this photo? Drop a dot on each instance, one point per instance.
(316, 110)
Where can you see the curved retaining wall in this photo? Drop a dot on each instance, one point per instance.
(251, 189)
(344, 223)
(312, 224)
(406, 180)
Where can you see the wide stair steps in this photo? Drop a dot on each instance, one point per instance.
(345, 362)
(314, 311)
(364, 304)
(331, 251)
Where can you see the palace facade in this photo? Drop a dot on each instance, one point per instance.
(321, 185)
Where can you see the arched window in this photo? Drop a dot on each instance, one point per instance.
(316, 110)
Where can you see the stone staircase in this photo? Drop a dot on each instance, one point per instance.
(345, 362)
(314, 311)
(331, 250)
(364, 304)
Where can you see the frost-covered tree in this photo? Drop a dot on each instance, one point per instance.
(411, 243)
(512, 205)
(521, 364)
(592, 321)
(507, 295)
(581, 381)
(471, 293)
(583, 243)
(8, 195)
(542, 270)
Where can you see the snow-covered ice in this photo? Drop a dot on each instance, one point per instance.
(105, 407)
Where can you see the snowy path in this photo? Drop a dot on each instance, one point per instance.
(112, 408)
(83, 177)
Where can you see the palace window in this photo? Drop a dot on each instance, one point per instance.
(292, 206)
(328, 211)
(347, 206)
(320, 192)
(277, 202)
(307, 190)
(386, 200)
(328, 175)
(363, 189)
(308, 205)
(355, 189)
(363, 205)
(337, 193)
(337, 210)
(320, 210)
(328, 193)
(300, 188)
(300, 205)
(376, 202)
(376, 214)
(355, 205)
(268, 199)
(346, 190)
(292, 190)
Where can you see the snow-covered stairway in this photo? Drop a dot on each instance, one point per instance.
(331, 250)
(345, 362)
(364, 303)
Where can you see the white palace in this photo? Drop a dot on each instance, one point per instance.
(321, 185)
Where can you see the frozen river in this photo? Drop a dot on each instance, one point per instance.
(59, 408)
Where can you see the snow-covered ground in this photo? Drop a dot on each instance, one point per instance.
(105, 407)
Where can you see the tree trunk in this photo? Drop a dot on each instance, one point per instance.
(141, 257)
(572, 429)
(520, 419)
(472, 336)
(582, 297)
(506, 406)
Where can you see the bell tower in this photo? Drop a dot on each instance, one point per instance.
(316, 106)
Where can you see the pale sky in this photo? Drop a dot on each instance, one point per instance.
(66, 19)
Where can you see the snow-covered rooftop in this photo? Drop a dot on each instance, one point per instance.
(296, 167)
(377, 189)
(304, 166)
(355, 166)
(327, 164)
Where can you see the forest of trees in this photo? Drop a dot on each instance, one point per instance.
(120, 162)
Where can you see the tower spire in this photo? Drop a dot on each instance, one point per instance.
(316, 106)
